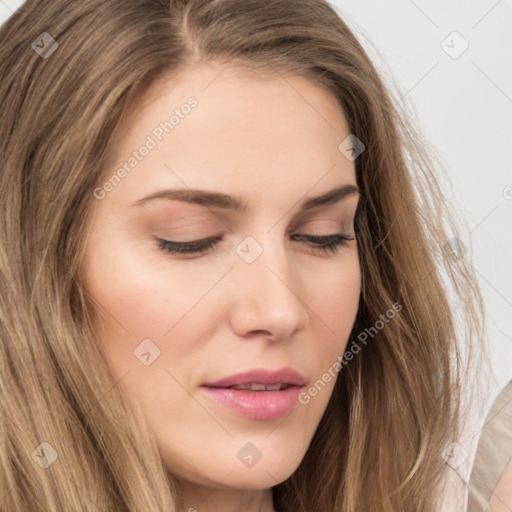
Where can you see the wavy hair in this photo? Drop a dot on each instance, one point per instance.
(394, 407)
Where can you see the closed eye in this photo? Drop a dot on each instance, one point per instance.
(327, 244)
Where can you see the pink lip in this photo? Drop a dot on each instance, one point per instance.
(258, 405)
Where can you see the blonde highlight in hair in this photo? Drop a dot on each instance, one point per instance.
(394, 407)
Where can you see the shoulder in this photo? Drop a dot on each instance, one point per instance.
(493, 456)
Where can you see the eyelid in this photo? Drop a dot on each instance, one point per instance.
(189, 246)
(330, 243)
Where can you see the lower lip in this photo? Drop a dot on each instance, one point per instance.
(257, 405)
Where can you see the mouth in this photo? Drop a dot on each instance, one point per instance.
(259, 394)
(253, 386)
(260, 377)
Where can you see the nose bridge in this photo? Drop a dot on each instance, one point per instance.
(263, 259)
(268, 288)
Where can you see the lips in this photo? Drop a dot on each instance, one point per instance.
(258, 394)
(284, 376)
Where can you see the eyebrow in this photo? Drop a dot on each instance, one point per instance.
(227, 202)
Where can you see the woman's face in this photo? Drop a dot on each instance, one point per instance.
(262, 299)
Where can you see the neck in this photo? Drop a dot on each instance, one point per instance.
(196, 498)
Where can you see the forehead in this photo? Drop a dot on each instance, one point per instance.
(247, 132)
(235, 82)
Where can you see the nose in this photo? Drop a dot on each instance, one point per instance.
(268, 295)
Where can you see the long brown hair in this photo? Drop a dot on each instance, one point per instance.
(395, 406)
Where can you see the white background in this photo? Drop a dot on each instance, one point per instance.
(463, 106)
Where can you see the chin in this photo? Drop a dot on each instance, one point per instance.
(253, 479)
(234, 467)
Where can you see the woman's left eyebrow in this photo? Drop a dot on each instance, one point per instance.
(227, 202)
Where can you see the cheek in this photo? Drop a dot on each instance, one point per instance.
(333, 303)
(140, 296)
(337, 303)
(334, 297)
(126, 304)
(135, 292)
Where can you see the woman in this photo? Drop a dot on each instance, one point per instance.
(222, 266)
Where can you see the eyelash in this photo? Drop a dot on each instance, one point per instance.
(327, 244)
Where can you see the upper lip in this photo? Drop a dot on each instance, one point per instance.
(260, 376)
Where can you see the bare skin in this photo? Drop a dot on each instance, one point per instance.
(501, 499)
(214, 314)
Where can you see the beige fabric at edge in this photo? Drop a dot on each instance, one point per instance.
(494, 452)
